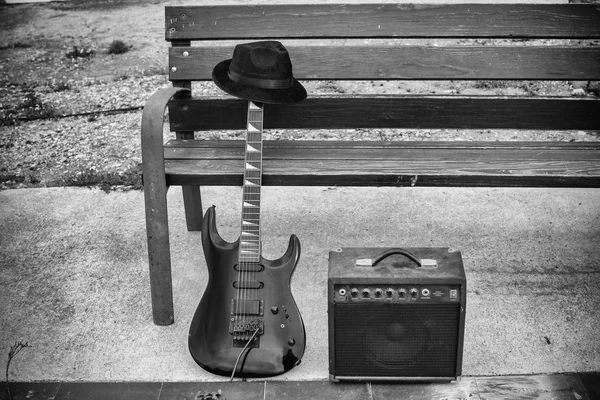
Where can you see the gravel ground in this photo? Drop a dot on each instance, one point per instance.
(70, 111)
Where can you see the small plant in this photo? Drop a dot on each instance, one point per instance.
(9, 180)
(30, 107)
(14, 350)
(118, 47)
(33, 108)
(61, 86)
(80, 53)
(131, 178)
(7, 118)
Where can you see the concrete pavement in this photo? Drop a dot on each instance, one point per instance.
(74, 279)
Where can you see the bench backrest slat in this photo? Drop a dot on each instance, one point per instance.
(356, 61)
(384, 20)
(453, 112)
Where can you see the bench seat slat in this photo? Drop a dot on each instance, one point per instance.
(409, 62)
(393, 111)
(402, 164)
(392, 20)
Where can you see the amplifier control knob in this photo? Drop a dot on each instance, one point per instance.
(389, 292)
(366, 293)
(402, 293)
(378, 292)
(354, 292)
(414, 292)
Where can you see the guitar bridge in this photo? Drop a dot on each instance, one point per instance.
(242, 329)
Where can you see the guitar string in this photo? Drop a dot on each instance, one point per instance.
(246, 189)
(241, 263)
(250, 157)
(260, 115)
(258, 172)
(246, 274)
(247, 192)
(255, 157)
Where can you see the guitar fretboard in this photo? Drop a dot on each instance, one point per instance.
(250, 244)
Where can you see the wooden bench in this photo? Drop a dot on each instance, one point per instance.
(380, 42)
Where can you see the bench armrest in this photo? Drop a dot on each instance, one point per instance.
(152, 124)
(155, 195)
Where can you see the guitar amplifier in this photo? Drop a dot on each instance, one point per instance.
(396, 314)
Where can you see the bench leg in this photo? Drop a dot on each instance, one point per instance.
(192, 202)
(159, 254)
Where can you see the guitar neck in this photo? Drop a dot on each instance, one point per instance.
(250, 241)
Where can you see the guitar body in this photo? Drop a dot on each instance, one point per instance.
(265, 303)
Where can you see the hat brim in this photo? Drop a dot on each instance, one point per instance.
(293, 94)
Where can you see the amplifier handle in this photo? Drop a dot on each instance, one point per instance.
(397, 250)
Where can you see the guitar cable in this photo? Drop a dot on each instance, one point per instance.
(242, 352)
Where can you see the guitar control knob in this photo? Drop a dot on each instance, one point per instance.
(378, 292)
(354, 292)
(402, 293)
(389, 292)
(366, 293)
(414, 292)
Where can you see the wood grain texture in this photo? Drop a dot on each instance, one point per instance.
(357, 61)
(331, 163)
(564, 386)
(383, 20)
(155, 200)
(393, 111)
(556, 387)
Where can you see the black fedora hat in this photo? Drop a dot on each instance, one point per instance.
(259, 71)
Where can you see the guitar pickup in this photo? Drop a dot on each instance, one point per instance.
(248, 285)
(249, 267)
(247, 307)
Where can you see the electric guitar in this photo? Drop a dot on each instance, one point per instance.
(247, 323)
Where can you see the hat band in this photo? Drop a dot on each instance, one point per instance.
(261, 83)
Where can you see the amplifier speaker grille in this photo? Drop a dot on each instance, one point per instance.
(396, 339)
